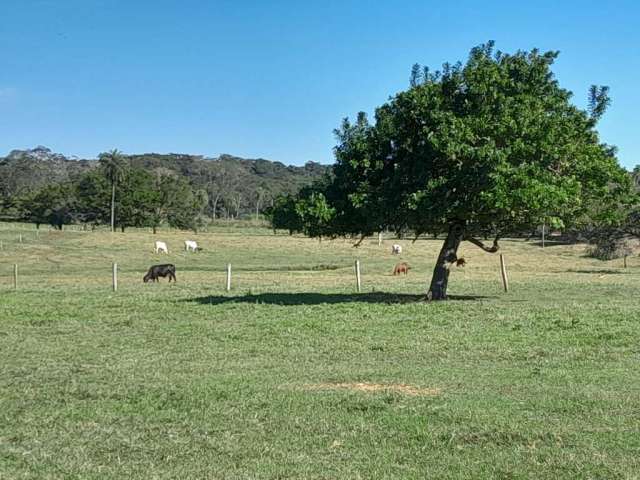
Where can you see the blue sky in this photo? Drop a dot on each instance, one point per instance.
(272, 79)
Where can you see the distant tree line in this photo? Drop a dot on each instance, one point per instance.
(138, 198)
(182, 191)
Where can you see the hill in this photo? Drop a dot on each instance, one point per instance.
(235, 186)
(23, 171)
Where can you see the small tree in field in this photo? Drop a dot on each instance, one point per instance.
(486, 148)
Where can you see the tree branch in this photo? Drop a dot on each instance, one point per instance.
(493, 249)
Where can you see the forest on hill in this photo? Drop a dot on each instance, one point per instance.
(226, 186)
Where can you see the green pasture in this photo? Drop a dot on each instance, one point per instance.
(292, 374)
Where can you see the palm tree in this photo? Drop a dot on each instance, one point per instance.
(114, 165)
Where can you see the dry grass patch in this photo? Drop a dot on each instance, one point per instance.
(404, 389)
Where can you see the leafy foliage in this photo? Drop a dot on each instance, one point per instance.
(94, 196)
(283, 215)
(598, 101)
(609, 246)
(54, 205)
(610, 223)
(114, 165)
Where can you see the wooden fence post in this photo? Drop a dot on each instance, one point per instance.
(228, 277)
(379, 239)
(543, 228)
(358, 279)
(114, 277)
(20, 238)
(503, 269)
(15, 276)
(625, 261)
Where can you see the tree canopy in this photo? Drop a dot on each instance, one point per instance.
(491, 147)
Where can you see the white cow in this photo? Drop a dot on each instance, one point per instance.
(191, 245)
(160, 247)
(396, 249)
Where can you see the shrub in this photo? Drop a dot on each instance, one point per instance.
(610, 247)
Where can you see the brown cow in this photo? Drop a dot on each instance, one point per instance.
(401, 268)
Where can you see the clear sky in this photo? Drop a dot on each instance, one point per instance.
(272, 79)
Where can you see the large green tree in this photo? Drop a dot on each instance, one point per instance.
(114, 166)
(55, 205)
(94, 195)
(185, 207)
(138, 199)
(491, 147)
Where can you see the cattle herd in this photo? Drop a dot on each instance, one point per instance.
(169, 270)
(189, 246)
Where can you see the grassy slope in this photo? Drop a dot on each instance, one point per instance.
(186, 381)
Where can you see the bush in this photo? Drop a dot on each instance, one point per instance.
(610, 248)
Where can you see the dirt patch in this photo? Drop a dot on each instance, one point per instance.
(377, 387)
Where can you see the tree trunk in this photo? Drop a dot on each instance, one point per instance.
(448, 256)
(113, 206)
(215, 208)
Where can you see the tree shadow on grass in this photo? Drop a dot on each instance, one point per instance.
(550, 243)
(602, 271)
(310, 298)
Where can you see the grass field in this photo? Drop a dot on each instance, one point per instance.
(294, 375)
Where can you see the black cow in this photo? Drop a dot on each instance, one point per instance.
(156, 271)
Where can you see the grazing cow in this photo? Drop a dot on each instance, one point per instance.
(160, 247)
(191, 245)
(396, 249)
(156, 271)
(401, 268)
(461, 262)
